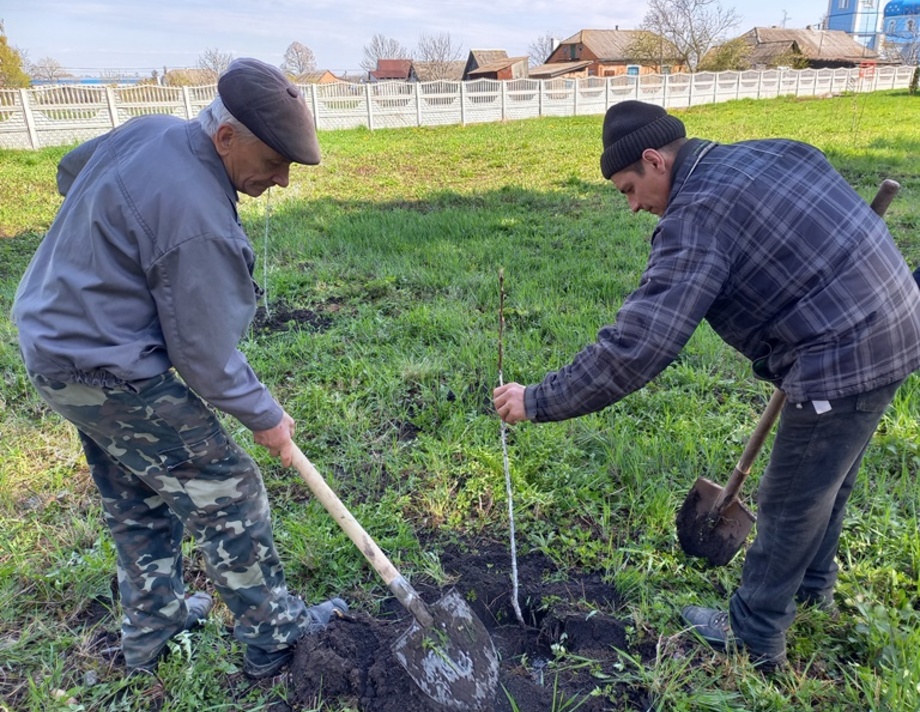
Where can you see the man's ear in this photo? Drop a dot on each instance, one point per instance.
(655, 159)
(223, 139)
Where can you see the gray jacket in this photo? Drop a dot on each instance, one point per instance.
(146, 267)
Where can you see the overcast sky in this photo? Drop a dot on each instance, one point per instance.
(88, 35)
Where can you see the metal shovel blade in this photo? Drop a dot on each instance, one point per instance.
(453, 660)
(712, 535)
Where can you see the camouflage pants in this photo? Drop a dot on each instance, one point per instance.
(163, 463)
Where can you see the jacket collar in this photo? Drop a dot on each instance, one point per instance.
(686, 161)
(203, 147)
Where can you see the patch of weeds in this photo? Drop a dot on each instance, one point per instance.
(889, 639)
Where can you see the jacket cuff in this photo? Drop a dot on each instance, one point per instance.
(530, 403)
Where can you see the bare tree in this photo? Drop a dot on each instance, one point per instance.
(381, 47)
(693, 27)
(653, 50)
(47, 69)
(438, 52)
(541, 48)
(298, 60)
(734, 55)
(213, 62)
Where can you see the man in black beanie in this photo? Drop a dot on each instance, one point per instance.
(129, 316)
(791, 267)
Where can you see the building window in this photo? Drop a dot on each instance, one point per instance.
(890, 27)
(910, 26)
(868, 4)
(844, 4)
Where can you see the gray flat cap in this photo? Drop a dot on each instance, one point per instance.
(261, 98)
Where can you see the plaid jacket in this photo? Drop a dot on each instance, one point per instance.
(788, 264)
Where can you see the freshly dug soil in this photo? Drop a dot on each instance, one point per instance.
(352, 662)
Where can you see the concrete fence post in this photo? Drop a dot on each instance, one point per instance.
(314, 104)
(418, 103)
(502, 90)
(113, 108)
(370, 111)
(187, 100)
(463, 103)
(29, 119)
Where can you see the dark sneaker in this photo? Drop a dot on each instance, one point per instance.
(199, 606)
(259, 663)
(714, 627)
(711, 625)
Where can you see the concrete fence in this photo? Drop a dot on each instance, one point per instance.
(58, 115)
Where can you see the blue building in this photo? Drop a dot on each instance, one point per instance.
(892, 27)
(901, 29)
(859, 18)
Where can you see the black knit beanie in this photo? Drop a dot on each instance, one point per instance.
(630, 127)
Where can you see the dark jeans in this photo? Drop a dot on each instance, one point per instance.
(800, 509)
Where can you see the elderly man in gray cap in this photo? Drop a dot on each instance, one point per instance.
(771, 246)
(129, 317)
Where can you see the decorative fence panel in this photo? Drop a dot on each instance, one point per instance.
(482, 101)
(56, 115)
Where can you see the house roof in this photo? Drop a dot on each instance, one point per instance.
(323, 76)
(607, 45)
(392, 69)
(815, 45)
(498, 65)
(433, 71)
(486, 56)
(555, 69)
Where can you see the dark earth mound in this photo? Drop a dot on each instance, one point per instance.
(352, 662)
(566, 650)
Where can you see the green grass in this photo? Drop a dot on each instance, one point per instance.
(395, 243)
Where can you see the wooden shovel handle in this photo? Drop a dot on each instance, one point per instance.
(751, 450)
(374, 555)
(887, 191)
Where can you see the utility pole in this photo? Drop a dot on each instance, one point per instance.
(785, 18)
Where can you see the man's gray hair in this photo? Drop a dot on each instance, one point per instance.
(215, 114)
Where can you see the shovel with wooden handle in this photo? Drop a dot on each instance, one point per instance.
(713, 523)
(447, 650)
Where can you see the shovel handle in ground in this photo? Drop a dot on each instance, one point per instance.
(887, 191)
(751, 450)
(398, 585)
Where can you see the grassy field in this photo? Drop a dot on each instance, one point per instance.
(393, 246)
